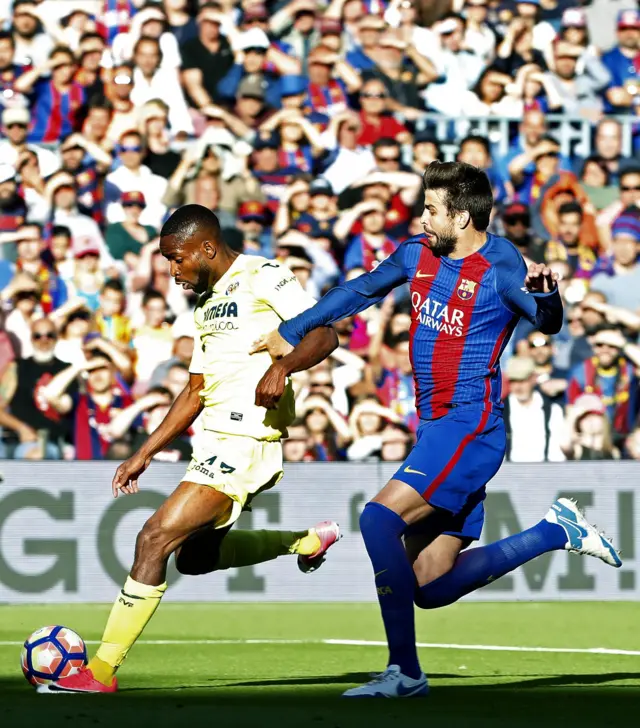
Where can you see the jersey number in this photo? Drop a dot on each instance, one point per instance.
(224, 468)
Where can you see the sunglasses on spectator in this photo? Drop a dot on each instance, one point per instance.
(16, 123)
(388, 159)
(49, 335)
(626, 188)
(371, 95)
(132, 148)
(516, 219)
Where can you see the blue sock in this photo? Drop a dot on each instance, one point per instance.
(395, 581)
(478, 567)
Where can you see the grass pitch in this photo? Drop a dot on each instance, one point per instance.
(266, 665)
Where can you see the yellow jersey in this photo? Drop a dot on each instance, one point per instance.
(250, 300)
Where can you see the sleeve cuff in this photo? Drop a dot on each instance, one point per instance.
(545, 295)
(287, 335)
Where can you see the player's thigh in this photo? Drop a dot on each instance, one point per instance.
(236, 467)
(454, 457)
(190, 507)
(403, 500)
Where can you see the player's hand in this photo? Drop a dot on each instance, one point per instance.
(273, 343)
(540, 279)
(271, 387)
(126, 477)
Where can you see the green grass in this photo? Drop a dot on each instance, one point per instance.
(297, 685)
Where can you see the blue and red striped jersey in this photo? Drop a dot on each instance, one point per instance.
(463, 314)
(54, 113)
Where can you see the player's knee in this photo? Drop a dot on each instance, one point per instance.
(154, 539)
(368, 521)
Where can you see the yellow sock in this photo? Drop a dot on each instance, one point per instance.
(306, 545)
(130, 613)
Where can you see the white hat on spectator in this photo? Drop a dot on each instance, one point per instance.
(589, 404)
(519, 368)
(253, 38)
(7, 172)
(16, 115)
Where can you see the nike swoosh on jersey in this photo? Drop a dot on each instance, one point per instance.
(420, 274)
(411, 470)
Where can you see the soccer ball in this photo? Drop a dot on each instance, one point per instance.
(51, 653)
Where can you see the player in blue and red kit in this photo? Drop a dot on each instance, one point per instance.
(468, 291)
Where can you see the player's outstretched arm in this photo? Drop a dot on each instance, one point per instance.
(348, 299)
(316, 346)
(180, 417)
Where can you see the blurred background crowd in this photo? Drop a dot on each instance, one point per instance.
(306, 126)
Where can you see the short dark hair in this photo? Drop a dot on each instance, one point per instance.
(113, 284)
(477, 139)
(187, 219)
(59, 231)
(147, 39)
(178, 365)
(7, 35)
(385, 142)
(400, 338)
(150, 295)
(571, 208)
(595, 159)
(60, 49)
(91, 35)
(466, 188)
(628, 169)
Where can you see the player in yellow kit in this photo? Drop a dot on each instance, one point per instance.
(241, 299)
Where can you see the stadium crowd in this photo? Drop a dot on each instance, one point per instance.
(306, 126)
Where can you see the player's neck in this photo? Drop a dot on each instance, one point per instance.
(468, 244)
(225, 260)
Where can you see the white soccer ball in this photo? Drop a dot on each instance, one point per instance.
(51, 653)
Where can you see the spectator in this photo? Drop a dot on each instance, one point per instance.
(179, 20)
(579, 93)
(629, 197)
(126, 239)
(610, 374)
(568, 247)
(295, 448)
(90, 51)
(181, 354)
(331, 80)
(372, 245)
(111, 321)
(589, 431)
(151, 82)
(621, 281)
(348, 161)
(516, 219)
(550, 380)
(148, 23)
(57, 101)
(95, 402)
(367, 422)
(38, 427)
(623, 95)
(457, 66)
(534, 424)
(152, 341)
(32, 44)
(479, 36)
(376, 121)
(329, 433)
(206, 59)
(517, 49)
(15, 125)
(397, 442)
(13, 210)
(161, 159)
(608, 147)
(10, 70)
(133, 176)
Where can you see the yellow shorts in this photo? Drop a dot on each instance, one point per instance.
(237, 466)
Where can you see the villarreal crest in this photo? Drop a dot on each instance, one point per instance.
(466, 289)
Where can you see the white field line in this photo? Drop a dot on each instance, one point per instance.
(372, 643)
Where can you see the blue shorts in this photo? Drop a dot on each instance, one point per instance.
(453, 459)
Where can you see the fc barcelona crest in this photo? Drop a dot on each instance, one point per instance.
(466, 289)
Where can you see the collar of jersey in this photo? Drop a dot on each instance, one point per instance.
(220, 284)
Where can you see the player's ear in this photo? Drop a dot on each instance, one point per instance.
(210, 249)
(463, 219)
